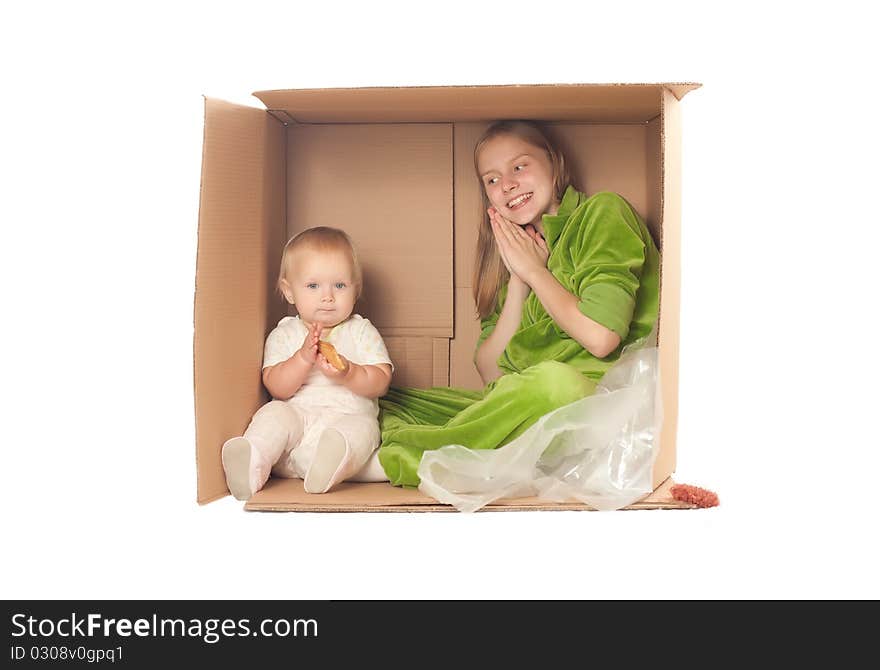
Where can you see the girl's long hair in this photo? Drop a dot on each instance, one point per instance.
(489, 271)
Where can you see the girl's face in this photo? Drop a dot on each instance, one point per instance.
(320, 285)
(518, 178)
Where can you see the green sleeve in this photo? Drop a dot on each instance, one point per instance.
(609, 261)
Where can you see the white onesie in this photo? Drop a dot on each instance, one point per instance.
(322, 402)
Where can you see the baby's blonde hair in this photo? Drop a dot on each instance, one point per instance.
(321, 239)
(489, 271)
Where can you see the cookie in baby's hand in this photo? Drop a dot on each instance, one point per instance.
(329, 352)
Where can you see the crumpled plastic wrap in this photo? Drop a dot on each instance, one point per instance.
(599, 450)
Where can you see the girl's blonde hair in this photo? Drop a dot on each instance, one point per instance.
(489, 271)
(321, 239)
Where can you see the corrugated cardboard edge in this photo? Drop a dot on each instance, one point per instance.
(670, 281)
(319, 105)
(679, 89)
(289, 496)
(239, 144)
(202, 498)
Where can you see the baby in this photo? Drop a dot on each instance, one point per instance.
(322, 424)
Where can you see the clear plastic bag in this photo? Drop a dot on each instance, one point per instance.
(599, 450)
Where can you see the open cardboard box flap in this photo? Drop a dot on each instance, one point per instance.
(393, 167)
(594, 103)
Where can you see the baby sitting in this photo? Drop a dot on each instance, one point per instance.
(322, 424)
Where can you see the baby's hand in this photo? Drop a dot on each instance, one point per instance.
(332, 372)
(309, 349)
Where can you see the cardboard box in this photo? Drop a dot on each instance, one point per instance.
(394, 168)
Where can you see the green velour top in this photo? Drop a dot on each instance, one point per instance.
(602, 252)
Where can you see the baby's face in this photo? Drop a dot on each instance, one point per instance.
(322, 288)
(518, 179)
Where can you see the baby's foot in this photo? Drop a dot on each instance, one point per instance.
(329, 458)
(245, 472)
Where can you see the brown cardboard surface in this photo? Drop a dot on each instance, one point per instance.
(670, 283)
(440, 370)
(653, 183)
(288, 495)
(369, 164)
(241, 224)
(414, 361)
(595, 103)
(390, 188)
(462, 371)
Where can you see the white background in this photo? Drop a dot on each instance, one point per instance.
(101, 153)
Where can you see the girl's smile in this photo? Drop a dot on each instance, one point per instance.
(520, 201)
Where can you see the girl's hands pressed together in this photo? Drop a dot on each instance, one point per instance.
(522, 249)
(493, 214)
(309, 349)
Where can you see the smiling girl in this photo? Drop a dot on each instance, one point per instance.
(562, 282)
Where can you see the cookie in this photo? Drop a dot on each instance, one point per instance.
(329, 352)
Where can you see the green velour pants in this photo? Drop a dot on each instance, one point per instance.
(414, 420)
